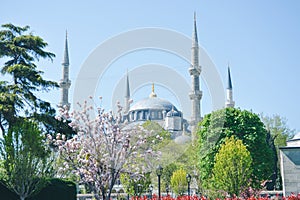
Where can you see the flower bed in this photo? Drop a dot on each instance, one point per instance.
(267, 197)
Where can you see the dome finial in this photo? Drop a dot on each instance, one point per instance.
(153, 87)
(152, 93)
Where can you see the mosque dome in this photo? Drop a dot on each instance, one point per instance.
(297, 136)
(153, 103)
(183, 139)
(295, 141)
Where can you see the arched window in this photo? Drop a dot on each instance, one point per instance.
(152, 114)
(159, 114)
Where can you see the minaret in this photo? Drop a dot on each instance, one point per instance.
(127, 95)
(195, 70)
(229, 101)
(65, 82)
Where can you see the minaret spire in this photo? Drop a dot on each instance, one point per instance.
(229, 101)
(66, 53)
(65, 82)
(127, 95)
(229, 84)
(195, 36)
(196, 93)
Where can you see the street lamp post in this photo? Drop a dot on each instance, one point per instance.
(188, 179)
(159, 170)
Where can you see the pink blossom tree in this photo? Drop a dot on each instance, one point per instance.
(103, 148)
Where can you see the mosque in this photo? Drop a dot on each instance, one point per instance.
(154, 108)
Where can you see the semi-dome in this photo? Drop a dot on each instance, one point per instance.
(173, 113)
(295, 141)
(297, 136)
(153, 103)
(183, 139)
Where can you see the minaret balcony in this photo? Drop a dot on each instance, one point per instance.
(65, 84)
(195, 95)
(194, 71)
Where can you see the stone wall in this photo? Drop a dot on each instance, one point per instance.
(290, 169)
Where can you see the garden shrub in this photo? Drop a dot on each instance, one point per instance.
(6, 193)
(57, 189)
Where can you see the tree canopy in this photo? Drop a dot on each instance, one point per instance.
(135, 186)
(24, 116)
(278, 134)
(278, 128)
(244, 125)
(179, 182)
(27, 161)
(102, 150)
(232, 169)
(20, 51)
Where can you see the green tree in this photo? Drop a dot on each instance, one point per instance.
(278, 128)
(27, 161)
(232, 169)
(168, 172)
(178, 181)
(244, 125)
(174, 155)
(189, 159)
(278, 133)
(157, 130)
(19, 100)
(24, 116)
(135, 187)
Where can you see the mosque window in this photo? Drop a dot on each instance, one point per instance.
(146, 115)
(140, 115)
(152, 114)
(159, 115)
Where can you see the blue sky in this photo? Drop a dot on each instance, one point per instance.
(260, 39)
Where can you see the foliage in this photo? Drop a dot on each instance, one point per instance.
(279, 132)
(195, 197)
(186, 159)
(179, 182)
(173, 155)
(135, 186)
(157, 130)
(26, 159)
(189, 159)
(168, 172)
(7, 193)
(19, 50)
(231, 172)
(244, 125)
(58, 189)
(278, 128)
(102, 150)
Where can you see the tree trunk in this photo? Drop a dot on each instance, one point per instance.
(103, 193)
(271, 141)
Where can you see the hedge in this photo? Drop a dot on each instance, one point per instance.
(56, 189)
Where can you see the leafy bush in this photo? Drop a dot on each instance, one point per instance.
(57, 189)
